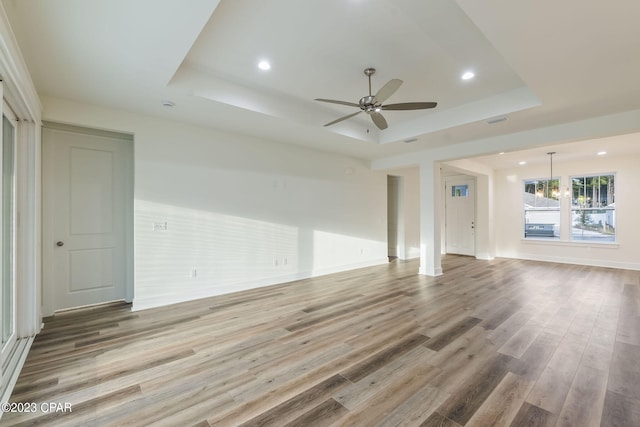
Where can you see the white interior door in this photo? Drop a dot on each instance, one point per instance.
(87, 179)
(460, 216)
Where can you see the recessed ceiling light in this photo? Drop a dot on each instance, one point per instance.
(601, 153)
(168, 104)
(501, 153)
(468, 75)
(410, 140)
(264, 65)
(522, 163)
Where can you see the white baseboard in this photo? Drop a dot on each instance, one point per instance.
(576, 261)
(424, 272)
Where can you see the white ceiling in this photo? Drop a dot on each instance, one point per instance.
(617, 147)
(538, 63)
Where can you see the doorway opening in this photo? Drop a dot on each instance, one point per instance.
(395, 217)
(88, 217)
(460, 215)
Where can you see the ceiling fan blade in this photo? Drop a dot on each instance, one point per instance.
(388, 89)
(333, 101)
(343, 118)
(410, 106)
(378, 120)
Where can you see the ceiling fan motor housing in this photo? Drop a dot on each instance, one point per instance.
(369, 104)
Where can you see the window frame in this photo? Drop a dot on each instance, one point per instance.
(540, 230)
(8, 233)
(575, 208)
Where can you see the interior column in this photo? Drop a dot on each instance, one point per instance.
(430, 229)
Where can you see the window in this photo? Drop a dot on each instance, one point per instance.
(541, 209)
(7, 229)
(460, 190)
(593, 208)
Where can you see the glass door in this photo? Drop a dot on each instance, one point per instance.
(7, 234)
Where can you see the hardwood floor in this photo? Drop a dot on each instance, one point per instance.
(489, 343)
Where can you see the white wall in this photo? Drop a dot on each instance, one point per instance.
(411, 211)
(240, 212)
(509, 214)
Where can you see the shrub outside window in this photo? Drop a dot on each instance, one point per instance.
(541, 209)
(593, 208)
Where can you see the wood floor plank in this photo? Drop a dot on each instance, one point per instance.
(283, 373)
(356, 393)
(560, 323)
(620, 411)
(300, 405)
(554, 382)
(538, 355)
(465, 401)
(417, 409)
(629, 323)
(513, 342)
(533, 416)
(447, 337)
(375, 361)
(503, 404)
(79, 411)
(521, 340)
(585, 400)
(325, 414)
(597, 356)
(438, 420)
(380, 406)
(198, 396)
(498, 317)
(502, 333)
(624, 378)
(375, 328)
(344, 310)
(152, 409)
(70, 384)
(461, 360)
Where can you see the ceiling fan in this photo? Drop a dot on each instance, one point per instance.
(372, 104)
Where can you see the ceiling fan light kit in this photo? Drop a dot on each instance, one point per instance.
(373, 104)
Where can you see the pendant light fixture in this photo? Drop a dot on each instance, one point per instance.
(552, 190)
(549, 189)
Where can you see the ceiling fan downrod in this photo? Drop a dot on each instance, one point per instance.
(369, 72)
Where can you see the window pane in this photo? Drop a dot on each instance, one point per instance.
(7, 229)
(593, 215)
(542, 193)
(542, 223)
(459, 190)
(542, 209)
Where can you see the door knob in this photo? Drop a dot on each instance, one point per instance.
(60, 244)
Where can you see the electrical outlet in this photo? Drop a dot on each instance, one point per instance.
(160, 226)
